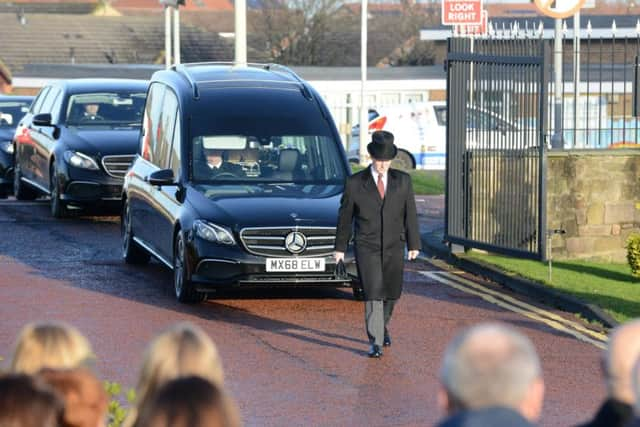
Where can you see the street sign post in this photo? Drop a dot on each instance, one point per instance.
(475, 29)
(461, 12)
(559, 8)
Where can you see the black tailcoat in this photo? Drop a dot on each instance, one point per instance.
(382, 228)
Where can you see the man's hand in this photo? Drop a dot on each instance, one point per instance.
(412, 255)
(339, 256)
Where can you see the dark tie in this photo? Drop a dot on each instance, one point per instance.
(380, 186)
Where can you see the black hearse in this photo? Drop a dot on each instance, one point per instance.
(237, 182)
(77, 141)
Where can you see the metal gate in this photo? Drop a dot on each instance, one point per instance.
(495, 179)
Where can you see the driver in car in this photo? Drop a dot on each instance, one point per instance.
(91, 112)
(219, 167)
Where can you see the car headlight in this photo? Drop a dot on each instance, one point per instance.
(80, 160)
(6, 146)
(213, 233)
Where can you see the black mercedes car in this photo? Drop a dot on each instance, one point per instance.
(77, 142)
(12, 109)
(238, 181)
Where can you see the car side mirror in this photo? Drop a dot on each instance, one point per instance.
(42, 119)
(161, 177)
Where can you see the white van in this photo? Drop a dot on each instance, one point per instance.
(420, 131)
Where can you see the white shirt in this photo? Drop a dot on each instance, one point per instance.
(374, 173)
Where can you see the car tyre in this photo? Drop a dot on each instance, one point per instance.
(58, 207)
(184, 288)
(20, 190)
(132, 252)
(404, 161)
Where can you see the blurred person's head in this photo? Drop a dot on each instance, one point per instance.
(91, 109)
(183, 350)
(26, 401)
(623, 349)
(489, 365)
(49, 345)
(214, 156)
(188, 402)
(85, 400)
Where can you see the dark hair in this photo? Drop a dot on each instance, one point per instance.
(188, 402)
(28, 402)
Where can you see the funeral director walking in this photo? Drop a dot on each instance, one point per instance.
(378, 203)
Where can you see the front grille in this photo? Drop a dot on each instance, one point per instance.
(270, 241)
(117, 166)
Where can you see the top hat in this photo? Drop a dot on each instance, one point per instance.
(381, 146)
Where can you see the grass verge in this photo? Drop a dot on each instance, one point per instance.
(609, 286)
(425, 183)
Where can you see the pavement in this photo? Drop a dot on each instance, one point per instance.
(431, 219)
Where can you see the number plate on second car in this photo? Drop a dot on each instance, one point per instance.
(295, 264)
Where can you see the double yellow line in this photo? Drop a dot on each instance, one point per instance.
(550, 319)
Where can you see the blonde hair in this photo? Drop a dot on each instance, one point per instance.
(183, 350)
(49, 345)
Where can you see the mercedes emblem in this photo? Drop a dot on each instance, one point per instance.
(295, 242)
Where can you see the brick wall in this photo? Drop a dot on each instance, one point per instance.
(593, 196)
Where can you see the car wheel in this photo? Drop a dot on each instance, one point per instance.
(358, 292)
(185, 291)
(403, 161)
(20, 190)
(58, 207)
(132, 252)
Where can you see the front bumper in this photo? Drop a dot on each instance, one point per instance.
(216, 265)
(83, 187)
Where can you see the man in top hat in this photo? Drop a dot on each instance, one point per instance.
(379, 202)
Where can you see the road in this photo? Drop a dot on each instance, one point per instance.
(292, 357)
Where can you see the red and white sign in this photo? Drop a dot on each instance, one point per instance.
(461, 12)
(475, 29)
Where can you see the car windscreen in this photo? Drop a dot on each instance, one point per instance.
(12, 111)
(262, 137)
(123, 108)
(301, 159)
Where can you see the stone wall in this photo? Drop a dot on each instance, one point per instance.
(593, 196)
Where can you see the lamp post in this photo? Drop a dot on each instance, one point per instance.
(240, 7)
(171, 50)
(364, 110)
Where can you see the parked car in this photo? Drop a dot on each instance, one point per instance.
(12, 109)
(420, 131)
(77, 141)
(267, 216)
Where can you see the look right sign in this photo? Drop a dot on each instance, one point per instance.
(461, 12)
(559, 8)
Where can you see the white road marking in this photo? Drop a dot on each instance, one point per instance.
(509, 303)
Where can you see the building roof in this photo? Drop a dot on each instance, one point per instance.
(88, 39)
(48, 6)
(136, 71)
(190, 5)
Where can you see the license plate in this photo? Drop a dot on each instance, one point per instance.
(295, 264)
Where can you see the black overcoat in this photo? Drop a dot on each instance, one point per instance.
(381, 228)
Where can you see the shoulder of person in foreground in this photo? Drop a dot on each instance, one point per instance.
(492, 416)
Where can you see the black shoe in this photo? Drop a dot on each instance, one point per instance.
(375, 351)
(387, 340)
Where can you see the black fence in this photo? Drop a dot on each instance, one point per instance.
(495, 149)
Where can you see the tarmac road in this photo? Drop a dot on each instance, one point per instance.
(292, 356)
